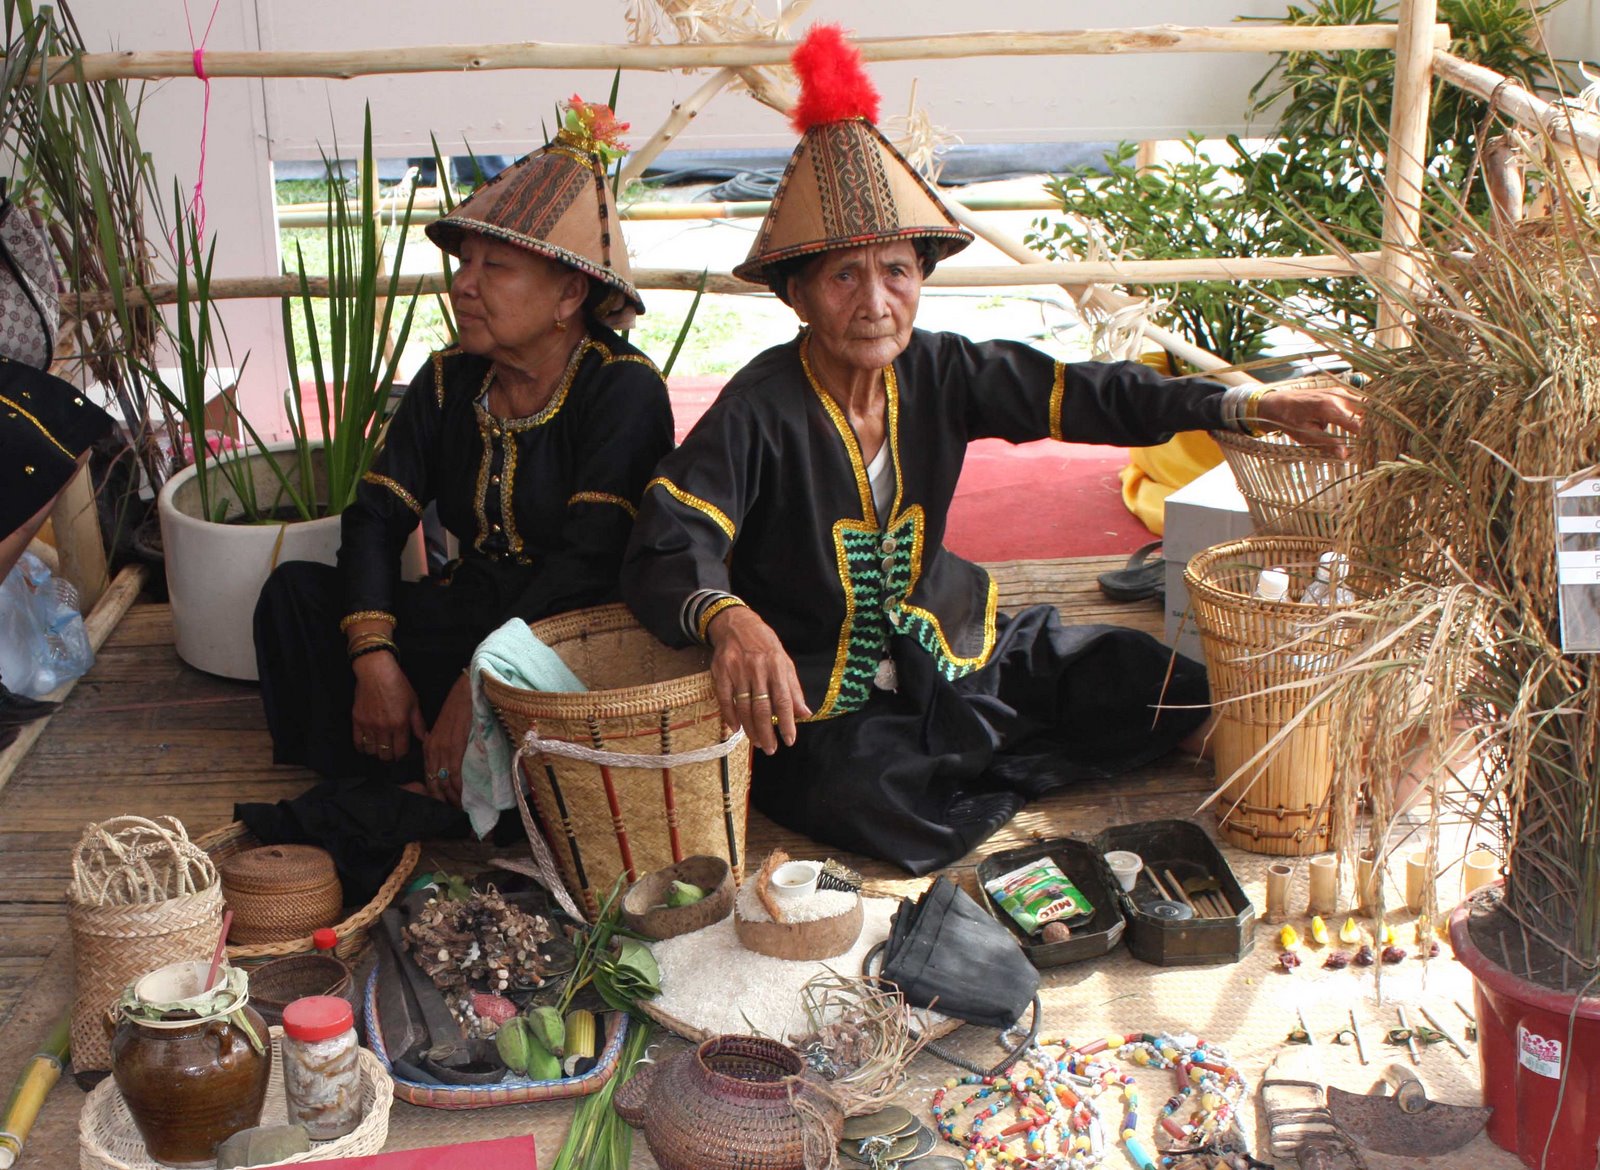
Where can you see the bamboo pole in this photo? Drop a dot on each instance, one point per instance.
(1404, 164)
(99, 623)
(82, 548)
(1567, 126)
(949, 276)
(347, 63)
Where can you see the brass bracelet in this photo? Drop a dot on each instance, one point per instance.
(372, 648)
(367, 615)
(1250, 414)
(370, 636)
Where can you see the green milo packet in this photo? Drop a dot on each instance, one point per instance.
(1037, 893)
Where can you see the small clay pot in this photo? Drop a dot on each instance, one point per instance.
(642, 908)
(190, 1078)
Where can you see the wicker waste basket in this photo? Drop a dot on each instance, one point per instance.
(142, 895)
(1267, 660)
(634, 774)
(1289, 488)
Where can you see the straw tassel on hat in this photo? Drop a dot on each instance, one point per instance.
(556, 202)
(845, 185)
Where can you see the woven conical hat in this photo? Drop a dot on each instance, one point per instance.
(555, 202)
(845, 186)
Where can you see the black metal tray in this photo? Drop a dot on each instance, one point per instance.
(1187, 851)
(1082, 862)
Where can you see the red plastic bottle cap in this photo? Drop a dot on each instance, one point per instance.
(317, 1017)
(325, 938)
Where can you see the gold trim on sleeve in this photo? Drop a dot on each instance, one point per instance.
(603, 498)
(982, 656)
(394, 486)
(711, 611)
(1058, 390)
(367, 615)
(711, 512)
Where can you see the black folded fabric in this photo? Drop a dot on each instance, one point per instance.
(944, 952)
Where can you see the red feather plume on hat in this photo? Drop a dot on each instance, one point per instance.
(833, 85)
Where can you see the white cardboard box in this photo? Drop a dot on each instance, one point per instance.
(1204, 512)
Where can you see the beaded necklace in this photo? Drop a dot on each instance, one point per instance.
(1055, 1092)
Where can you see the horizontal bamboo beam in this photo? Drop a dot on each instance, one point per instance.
(347, 63)
(1570, 127)
(312, 215)
(688, 279)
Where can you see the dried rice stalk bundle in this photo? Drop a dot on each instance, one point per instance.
(917, 138)
(711, 21)
(860, 1036)
(1469, 428)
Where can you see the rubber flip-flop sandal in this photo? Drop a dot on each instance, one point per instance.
(1141, 578)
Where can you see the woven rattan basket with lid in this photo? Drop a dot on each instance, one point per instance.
(646, 701)
(1267, 660)
(280, 892)
(1289, 488)
(233, 839)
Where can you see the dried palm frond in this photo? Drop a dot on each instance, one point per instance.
(917, 138)
(859, 1037)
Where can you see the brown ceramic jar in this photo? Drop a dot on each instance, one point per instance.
(191, 1083)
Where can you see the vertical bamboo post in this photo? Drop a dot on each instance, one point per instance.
(1404, 164)
(76, 522)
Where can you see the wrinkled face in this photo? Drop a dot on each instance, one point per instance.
(860, 303)
(507, 299)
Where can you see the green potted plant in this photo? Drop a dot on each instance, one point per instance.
(236, 512)
(1471, 429)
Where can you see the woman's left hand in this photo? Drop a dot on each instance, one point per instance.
(1306, 414)
(446, 744)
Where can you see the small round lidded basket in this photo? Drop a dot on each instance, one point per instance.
(1290, 488)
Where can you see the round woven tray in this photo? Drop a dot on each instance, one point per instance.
(109, 1140)
(280, 893)
(279, 982)
(352, 932)
(1289, 488)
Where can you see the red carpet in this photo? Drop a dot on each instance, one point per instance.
(1013, 503)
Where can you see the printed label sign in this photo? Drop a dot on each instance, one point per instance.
(1578, 523)
(1580, 489)
(1577, 516)
(1539, 1054)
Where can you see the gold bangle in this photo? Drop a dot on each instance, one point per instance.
(367, 615)
(367, 641)
(1250, 415)
(711, 611)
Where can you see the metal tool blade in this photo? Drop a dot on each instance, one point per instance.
(1381, 1125)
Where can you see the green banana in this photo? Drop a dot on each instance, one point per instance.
(548, 1030)
(514, 1041)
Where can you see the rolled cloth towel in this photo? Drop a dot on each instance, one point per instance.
(515, 657)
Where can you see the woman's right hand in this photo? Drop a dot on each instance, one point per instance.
(386, 714)
(756, 683)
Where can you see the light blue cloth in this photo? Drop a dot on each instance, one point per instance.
(515, 657)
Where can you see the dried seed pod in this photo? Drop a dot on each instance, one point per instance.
(1336, 961)
(1288, 960)
(1393, 954)
(1365, 957)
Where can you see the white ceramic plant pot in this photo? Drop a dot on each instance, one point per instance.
(215, 571)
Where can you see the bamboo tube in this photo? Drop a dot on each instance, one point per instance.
(1324, 884)
(1416, 879)
(38, 1077)
(688, 279)
(81, 546)
(1568, 126)
(1279, 877)
(1404, 166)
(1368, 875)
(347, 63)
(1478, 869)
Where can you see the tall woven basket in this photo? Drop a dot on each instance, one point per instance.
(636, 773)
(1267, 660)
(1289, 488)
(142, 896)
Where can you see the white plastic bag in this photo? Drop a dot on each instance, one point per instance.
(43, 642)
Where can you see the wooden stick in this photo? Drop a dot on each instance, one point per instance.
(1156, 882)
(480, 58)
(948, 276)
(1568, 126)
(1183, 894)
(102, 620)
(1404, 167)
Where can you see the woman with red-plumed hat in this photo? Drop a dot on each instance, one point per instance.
(799, 528)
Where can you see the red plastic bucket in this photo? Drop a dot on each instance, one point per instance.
(1535, 1058)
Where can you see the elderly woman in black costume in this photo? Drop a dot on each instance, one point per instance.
(534, 436)
(799, 529)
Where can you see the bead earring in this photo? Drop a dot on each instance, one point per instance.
(561, 326)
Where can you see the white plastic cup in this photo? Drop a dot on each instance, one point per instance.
(1125, 866)
(795, 881)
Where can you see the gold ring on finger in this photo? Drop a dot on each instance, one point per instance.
(762, 697)
(742, 697)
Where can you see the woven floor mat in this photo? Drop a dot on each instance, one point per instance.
(1248, 1007)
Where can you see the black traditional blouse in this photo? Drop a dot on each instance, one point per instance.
(548, 499)
(768, 499)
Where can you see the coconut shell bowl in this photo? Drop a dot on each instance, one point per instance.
(645, 909)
